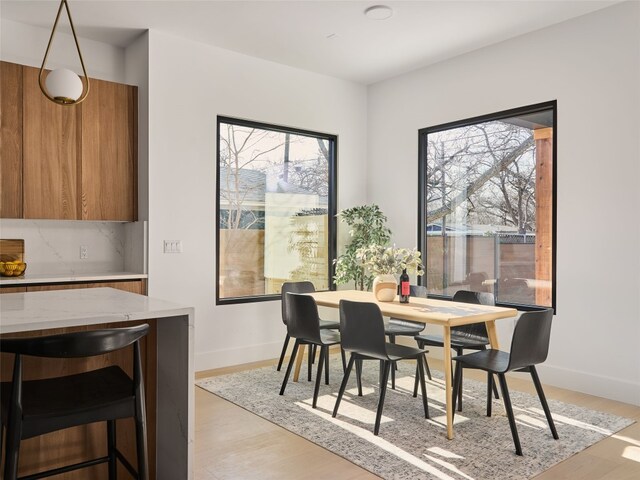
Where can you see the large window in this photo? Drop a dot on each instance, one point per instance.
(275, 211)
(487, 205)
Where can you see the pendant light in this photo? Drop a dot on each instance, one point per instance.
(62, 86)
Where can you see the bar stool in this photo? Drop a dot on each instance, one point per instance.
(35, 407)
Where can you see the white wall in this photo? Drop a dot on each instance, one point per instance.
(189, 85)
(26, 44)
(591, 65)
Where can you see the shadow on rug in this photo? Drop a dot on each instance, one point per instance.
(410, 446)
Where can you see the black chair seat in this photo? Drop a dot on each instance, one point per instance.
(329, 325)
(329, 337)
(493, 361)
(402, 329)
(457, 341)
(63, 402)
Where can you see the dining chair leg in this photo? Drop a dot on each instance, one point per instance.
(495, 386)
(507, 404)
(326, 365)
(427, 371)
(383, 391)
(111, 449)
(310, 361)
(426, 364)
(318, 376)
(359, 376)
(460, 352)
(284, 351)
(344, 360)
(291, 362)
(456, 387)
(423, 387)
(343, 385)
(490, 386)
(392, 339)
(543, 400)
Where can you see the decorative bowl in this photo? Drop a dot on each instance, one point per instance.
(12, 269)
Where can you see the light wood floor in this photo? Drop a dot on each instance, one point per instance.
(232, 443)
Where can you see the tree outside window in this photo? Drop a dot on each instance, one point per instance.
(487, 205)
(275, 211)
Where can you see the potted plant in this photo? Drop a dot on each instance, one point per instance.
(385, 263)
(367, 226)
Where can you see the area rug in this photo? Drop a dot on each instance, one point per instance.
(410, 446)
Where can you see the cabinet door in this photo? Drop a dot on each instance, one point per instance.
(13, 289)
(50, 154)
(55, 286)
(109, 152)
(11, 140)
(133, 286)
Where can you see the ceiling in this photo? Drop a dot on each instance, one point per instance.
(329, 37)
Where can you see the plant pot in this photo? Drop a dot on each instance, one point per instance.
(385, 288)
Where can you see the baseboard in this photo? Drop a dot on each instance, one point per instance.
(237, 356)
(599, 385)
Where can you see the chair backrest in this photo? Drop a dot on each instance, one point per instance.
(418, 291)
(302, 316)
(476, 330)
(362, 328)
(293, 287)
(530, 342)
(76, 344)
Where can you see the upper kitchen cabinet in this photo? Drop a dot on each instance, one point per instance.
(51, 154)
(10, 140)
(109, 152)
(67, 162)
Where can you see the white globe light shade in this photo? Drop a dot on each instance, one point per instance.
(64, 84)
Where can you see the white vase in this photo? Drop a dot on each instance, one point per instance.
(385, 287)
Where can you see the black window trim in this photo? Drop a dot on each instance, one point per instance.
(422, 237)
(331, 210)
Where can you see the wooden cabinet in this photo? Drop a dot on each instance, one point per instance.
(109, 151)
(51, 176)
(10, 140)
(67, 162)
(133, 286)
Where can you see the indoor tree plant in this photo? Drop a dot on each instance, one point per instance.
(367, 227)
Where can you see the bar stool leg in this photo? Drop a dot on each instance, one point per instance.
(111, 449)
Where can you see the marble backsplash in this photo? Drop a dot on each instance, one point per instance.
(53, 246)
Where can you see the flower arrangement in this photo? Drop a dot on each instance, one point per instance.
(382, 260)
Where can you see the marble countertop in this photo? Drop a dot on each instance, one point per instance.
(22, 312)
(30, 279)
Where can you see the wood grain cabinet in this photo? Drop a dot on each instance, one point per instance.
(10, 140)
(67, 162)
(133, 286)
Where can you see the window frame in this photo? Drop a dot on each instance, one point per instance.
(331, 197)
(422, 171)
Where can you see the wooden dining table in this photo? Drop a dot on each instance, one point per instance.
(444, 313)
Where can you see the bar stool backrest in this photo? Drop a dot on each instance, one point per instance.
(76, 344)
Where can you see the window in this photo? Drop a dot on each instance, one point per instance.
(487, 206)
(275, 211)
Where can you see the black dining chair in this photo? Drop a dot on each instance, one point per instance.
(397, 327)
(363, 336)
(529, 347)
(303, 324)
(302, 287)
(36, 407)
(470, 337)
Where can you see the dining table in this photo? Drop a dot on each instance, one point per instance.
(447, 314)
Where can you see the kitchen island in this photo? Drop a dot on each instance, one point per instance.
(169, 358)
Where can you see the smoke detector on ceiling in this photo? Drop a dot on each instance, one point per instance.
(379, 12)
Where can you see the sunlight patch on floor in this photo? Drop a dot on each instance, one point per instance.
(380, 443)
(631, 453)
(348, 409)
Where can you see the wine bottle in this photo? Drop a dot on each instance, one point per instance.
(405, 289)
